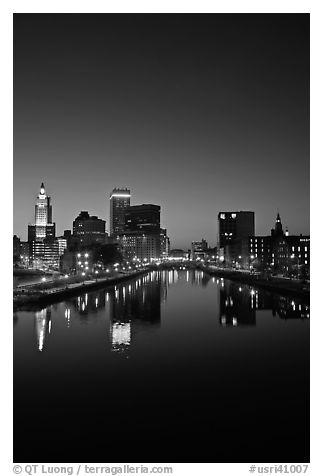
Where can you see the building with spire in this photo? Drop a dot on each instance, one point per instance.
(280, 252)
(43, 248)
(43, 227)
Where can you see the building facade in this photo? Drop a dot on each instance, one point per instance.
(119, 204)
(43, 249)
(43, 227)
(235, 226)
(199, 249)
(62, 244)
(45, 254)
(16, 248)
(164, 244)
(88, 229)
(278, 252)
(141, 238)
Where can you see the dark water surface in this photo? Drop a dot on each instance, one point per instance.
(169, 367)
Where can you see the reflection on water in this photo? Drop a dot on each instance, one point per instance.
(137, 303)
(239, 305)
(167, 357)
(42, 326)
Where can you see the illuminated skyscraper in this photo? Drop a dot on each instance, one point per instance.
(119, 203)
(43, 226)
(43, 249)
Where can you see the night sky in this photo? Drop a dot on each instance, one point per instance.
(195, 113)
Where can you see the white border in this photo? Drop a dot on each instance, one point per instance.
(94, 6)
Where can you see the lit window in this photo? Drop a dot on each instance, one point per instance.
(222, 216)
(233, 215)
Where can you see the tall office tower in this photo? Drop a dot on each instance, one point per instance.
(43, 226)
(235, 226)
(141, 238)
(43, 249)
(119, 203)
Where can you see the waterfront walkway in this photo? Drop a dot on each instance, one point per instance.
(41, 294)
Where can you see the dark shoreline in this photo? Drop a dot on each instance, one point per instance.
(277, 285)
(32, 302)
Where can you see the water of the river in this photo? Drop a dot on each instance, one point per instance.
(171, 366)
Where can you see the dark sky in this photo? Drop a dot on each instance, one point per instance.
(197, 113)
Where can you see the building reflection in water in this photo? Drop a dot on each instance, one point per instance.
(136, 305)
(239, 304)
(42, 327)
(288, 308)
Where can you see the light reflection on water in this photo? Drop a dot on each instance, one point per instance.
(171, 349)
(141, 299)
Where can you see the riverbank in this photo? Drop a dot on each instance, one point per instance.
(273, 284)
(26, 299)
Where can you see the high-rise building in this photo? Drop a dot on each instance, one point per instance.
(88, 229)
(119, 203)
(41, 234)
(141, 237)
(235, 226)
(43, 226)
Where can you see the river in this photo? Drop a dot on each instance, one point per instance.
(172, 366)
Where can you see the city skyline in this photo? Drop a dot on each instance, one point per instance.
(131, 206)
(213, 115)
